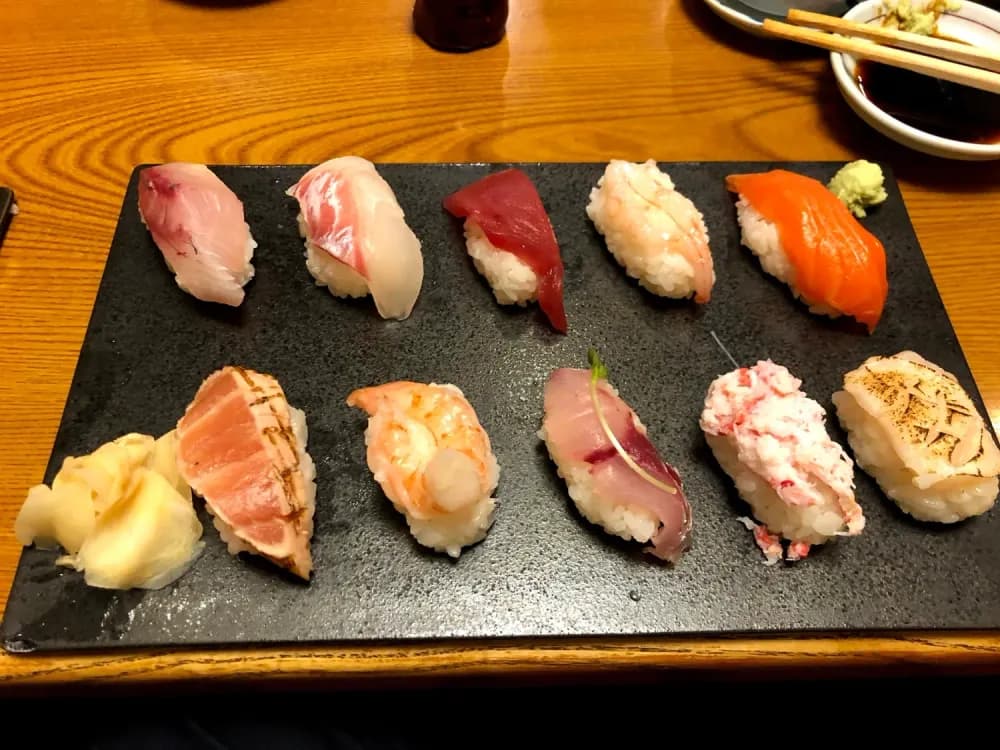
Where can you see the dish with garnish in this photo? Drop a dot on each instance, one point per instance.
(922, 112)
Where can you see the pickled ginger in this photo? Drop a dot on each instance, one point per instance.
(122, 514)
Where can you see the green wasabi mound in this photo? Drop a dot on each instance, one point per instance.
(859, 184)
(905, 17)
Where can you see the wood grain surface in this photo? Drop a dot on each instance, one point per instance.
(89, 90)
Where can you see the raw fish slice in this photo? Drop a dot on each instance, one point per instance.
(916, 431)
(806, 237)
(771, 439)
(654, 231)
(606, 488)
(433, 460)
(197, 223)
(243, 449)
(357, 238)
(506, 208)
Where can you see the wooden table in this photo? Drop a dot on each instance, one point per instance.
(88, 90)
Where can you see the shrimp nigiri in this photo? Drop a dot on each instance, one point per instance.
(357, 239)
(655, 232)
(806, 237)
(428, 451)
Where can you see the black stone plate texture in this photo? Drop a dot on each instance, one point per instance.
(542, 570)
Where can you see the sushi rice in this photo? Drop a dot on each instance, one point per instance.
(512, 279)
(946, 501)
(628, 522)
(762, 238)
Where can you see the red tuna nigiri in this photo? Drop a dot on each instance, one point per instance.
(627, 489)
(805, 236)
(243, 449)
(511, 240)
(197, 223)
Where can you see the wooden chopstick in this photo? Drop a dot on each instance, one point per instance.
(943, 48)
(946, 70)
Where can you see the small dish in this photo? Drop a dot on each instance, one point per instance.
(749, 15)
(971, 23)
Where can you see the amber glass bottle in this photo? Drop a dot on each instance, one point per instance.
(460, 25)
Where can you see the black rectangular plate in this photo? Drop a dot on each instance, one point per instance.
(542, 570)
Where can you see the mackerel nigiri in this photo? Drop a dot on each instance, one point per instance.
(511, 241)
(357, 239)
(806, 237)
(197, 223)
(612, 470)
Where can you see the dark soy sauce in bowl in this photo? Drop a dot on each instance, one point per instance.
(941, 108)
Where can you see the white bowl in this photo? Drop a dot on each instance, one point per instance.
(972, 23)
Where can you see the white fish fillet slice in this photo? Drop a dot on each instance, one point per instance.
(351, 213)
(198, 224)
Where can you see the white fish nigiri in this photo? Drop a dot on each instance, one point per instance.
(918, 433)
(357, 238)
(197, 222)
(655, 232)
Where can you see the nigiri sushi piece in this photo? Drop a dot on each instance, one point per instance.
(433, 460)
(197, 222)
(653, 230)
(356, 236)
(242, 448)
(915, 430)
(511, 241)
(613, 472)
(771, 439)
(806, 237)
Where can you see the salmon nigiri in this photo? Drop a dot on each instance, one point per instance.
(243, 449)
(806, 237)
(197, 223)
(357, 239)
(511, 241)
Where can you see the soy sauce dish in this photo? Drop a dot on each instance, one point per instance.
(926, 114)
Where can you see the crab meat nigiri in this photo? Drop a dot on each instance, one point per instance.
(357, 239)
(653, 230)
(806, 237)
(511, 241)
(242, 448)
(197, 223)
(433, 460)
(771, 439)
(613, 472)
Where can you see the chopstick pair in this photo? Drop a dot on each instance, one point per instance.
(940, 58)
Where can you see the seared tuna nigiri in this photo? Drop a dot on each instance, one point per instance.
(806, 237)
(511, 241)
(197, 223)
(243, 449)
(614, 473)
(357, 238)
(653, 230)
